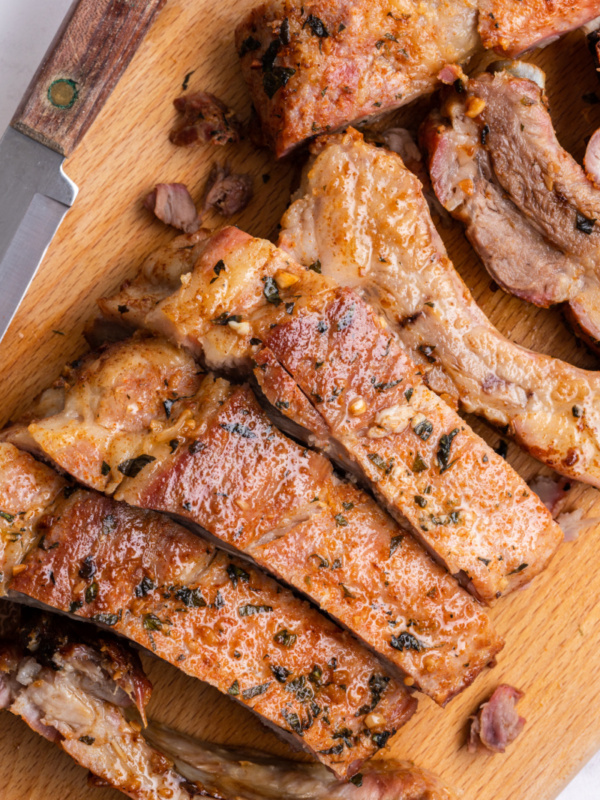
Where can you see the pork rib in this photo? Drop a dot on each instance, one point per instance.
(397, 260)
(212, 616)
(315, 66)
(66, 684)
(364, 400)
(203, 449)
(515, 178)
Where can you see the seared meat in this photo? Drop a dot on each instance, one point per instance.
(530, 210)
(315, 66)
(362, 215)
(227, 192)
(513, 26)
(232, 773)
(205, 118)
(65, 685)
(33, 491)
(173, 205)
(174, 440)
(363, 399)
(497, 722)
(213, 616)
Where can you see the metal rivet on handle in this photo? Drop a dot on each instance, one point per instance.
(63, 93)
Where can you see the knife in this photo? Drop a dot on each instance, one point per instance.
(92, 49)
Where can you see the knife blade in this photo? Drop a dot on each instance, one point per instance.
(92, 49)
(35, 195)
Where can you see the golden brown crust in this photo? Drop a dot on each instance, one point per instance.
(216, 618)
(513, 26)
(312, 67)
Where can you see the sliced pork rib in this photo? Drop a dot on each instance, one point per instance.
(363, 399)
(399, 264)
(315, 66)
(530, 210)
(198, 447)
(513, 26)
(212, 616)
(65, 682)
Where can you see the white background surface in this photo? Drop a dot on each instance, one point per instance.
(26, 29)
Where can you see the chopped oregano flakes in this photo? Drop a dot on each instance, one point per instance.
(249, 610)
(240, 430)
(285, 638)
(133, 466)
(584, 224)
(405, 641)
(255, 691)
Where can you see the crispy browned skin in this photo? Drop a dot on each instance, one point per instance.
(363, 215)
(315, 66)
(338, 352)
(217, 460)
(513, 26)
(214, 617)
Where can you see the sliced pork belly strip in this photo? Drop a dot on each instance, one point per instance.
(214, 617)
(61, 684)
(505, 169)
(315, 66)
(233, 773)
(218, 462)
(399, 264)
(299, 312)
(513, 26)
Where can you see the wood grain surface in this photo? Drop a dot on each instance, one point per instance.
(90, 52)
(552, 629)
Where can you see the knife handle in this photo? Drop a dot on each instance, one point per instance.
(83, 65)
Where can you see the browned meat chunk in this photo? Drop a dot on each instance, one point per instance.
(315, 66)
(175, 440)
(398, 262)
(424, 462)
(497, 722)
(173, 205)
(212, 616)
(205, 118)
(227, 192)
(513, 26)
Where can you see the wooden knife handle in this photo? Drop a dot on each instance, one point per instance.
(89, 54)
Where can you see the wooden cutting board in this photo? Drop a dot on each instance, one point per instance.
(552, 629)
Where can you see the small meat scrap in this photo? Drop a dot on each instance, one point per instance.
(227, 192)
(497, 722)
(206, 119)
(173, 204)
